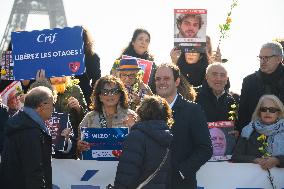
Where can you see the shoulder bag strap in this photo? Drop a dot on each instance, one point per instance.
(146, 181)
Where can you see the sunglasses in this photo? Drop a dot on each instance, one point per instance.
(269, 109)
(106, 92)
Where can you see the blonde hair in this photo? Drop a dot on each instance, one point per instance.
(275, 100)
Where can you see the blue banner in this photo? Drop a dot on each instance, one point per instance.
(105, 143)
(60, 52)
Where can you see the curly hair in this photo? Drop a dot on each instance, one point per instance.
(155, 108)
(181, 17)
(96, 103)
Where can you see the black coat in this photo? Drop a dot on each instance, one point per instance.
(92, 74)
(191, 146)
(4, 115)
(26, 157)
(247, 150)
(256, 85)
(143, 151)
(216, 109)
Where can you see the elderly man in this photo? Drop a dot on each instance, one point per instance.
(191, 145)
(269, 79)
(128, 73)
(26, 157)
(219, 106)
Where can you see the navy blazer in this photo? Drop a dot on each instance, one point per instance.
(191, 146)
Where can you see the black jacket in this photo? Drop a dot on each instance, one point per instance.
(26, 157)
(143, 151)
(92, 74)
(191, 146)
(216, 109)
(256, 85)
(247, 150)
(4, 115)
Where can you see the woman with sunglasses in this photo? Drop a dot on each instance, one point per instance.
(109, 107)
(267, 122)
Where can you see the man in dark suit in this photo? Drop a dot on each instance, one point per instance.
(191, 146)
(269, 79)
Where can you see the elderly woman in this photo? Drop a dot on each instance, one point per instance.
(262, 140)
(109, 107)
(128, 73)
(145, 147)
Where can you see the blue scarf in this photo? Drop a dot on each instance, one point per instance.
(34, 116)
(274, 133)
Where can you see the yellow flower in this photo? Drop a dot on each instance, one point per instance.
(233, 106)
(229, 20)
(232, 112)
(261, 137)
(231, 118)
(3, 72)
(261, 148)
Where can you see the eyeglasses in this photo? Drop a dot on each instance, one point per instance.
(265, 58)
(269, 109)
(113, 91)
(130, 76)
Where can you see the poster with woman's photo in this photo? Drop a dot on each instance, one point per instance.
(223, 141)
(190, 29)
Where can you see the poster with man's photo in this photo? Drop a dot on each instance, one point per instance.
(56, 124)
(190, 29)
(11, 97)
(223, 141)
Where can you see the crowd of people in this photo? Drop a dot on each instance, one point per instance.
(175, 120)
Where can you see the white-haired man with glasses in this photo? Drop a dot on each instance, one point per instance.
(269, 79)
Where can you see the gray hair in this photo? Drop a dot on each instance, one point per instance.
(275, 100)
(216, 64)
(276, 48)
(36, 96)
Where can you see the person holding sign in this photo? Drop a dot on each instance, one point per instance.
(262, 140)
(138, 48)
(188, 25)
(109, 107)
(128, 72)
(191, 64)
(146, 147)
(92, 64)
(220, 109)
(69, 100)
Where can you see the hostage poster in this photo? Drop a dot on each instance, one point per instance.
(60, 52)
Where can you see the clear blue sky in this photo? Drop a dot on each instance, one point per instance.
(113, 22)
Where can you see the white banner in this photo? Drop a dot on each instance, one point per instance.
(91, 174)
